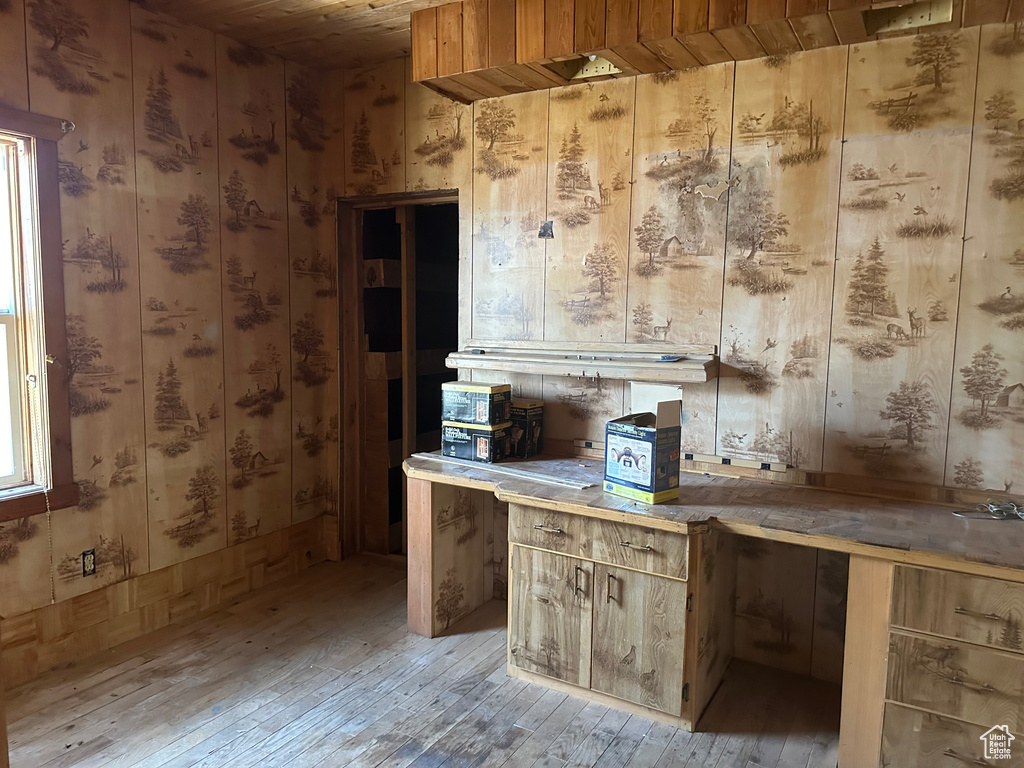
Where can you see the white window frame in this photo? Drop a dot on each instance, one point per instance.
(23, 321)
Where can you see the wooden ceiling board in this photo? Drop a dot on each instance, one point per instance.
(325, 33)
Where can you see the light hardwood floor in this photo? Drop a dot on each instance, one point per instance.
(321, 671)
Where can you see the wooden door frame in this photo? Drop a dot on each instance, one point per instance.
(352, 332)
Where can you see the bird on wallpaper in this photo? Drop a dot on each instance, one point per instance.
(629, 658)
(603, 97)
(936, 189)
(1007, 294)
(952, 278)
(770, 344)
(900, 197)
(920, 211)
(183, 325)
(892, 168)
(196, 337)
(96, 460)
(834, 393)
(82, 146)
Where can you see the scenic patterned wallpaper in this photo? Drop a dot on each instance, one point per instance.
(845, 224)
(197, 211)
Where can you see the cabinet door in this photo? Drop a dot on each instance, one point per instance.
(550, 598)
(639, 623)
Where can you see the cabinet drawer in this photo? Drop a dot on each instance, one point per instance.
(634, 546)
(915, 739)
(963, 681)
(545, 529)
(979, 610)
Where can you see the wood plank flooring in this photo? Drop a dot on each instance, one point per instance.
(321, 671)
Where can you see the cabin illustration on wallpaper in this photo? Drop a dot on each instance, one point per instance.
(185, 253)
(248, 461)
(198, 521)
(241, 530)
(266, 389)
(62, 54)
(306, 123)
(795, 129)
(96, 256)
(924, 90)
(245, 210)
(447, 119)
(993, 400)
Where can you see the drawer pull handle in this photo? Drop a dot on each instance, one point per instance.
(544, 600)
(630, 545)
(576, 578)
(548, 530)
(608, 597)
(950, 752)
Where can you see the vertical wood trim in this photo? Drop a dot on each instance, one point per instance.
(407, 220)
(54, 330)
(723, 14)
(655, 20)
(590, 25)
(501, 28)
(765, 10)
(559, 28)
(865, 661)
(424, 44)
(4, 760)
(690, 16)
(351, 294)
(474, 35)
(449, 36)
(805, 7)
(421, 549)
(622, 22)
(529, 30)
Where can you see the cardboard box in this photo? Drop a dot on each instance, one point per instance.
(527, 428)
(475, 442)
(464, 402)
(641, 454)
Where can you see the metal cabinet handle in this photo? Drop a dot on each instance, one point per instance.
(548, 530)
(608, 596)
(630, 545)
(961, 611)
(576, 578)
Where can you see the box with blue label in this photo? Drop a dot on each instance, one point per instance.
(641, 454)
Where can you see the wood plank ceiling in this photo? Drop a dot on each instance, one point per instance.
(324, 33)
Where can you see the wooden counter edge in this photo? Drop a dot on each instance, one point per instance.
(921, 557)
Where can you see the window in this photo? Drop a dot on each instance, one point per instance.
(35, 456)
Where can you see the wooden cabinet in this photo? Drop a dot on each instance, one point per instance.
(550, 613)
(912, 737)
(603, 605)
(639, 632)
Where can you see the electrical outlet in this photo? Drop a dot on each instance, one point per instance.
(89, 562)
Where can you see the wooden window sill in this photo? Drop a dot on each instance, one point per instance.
(30, 500)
